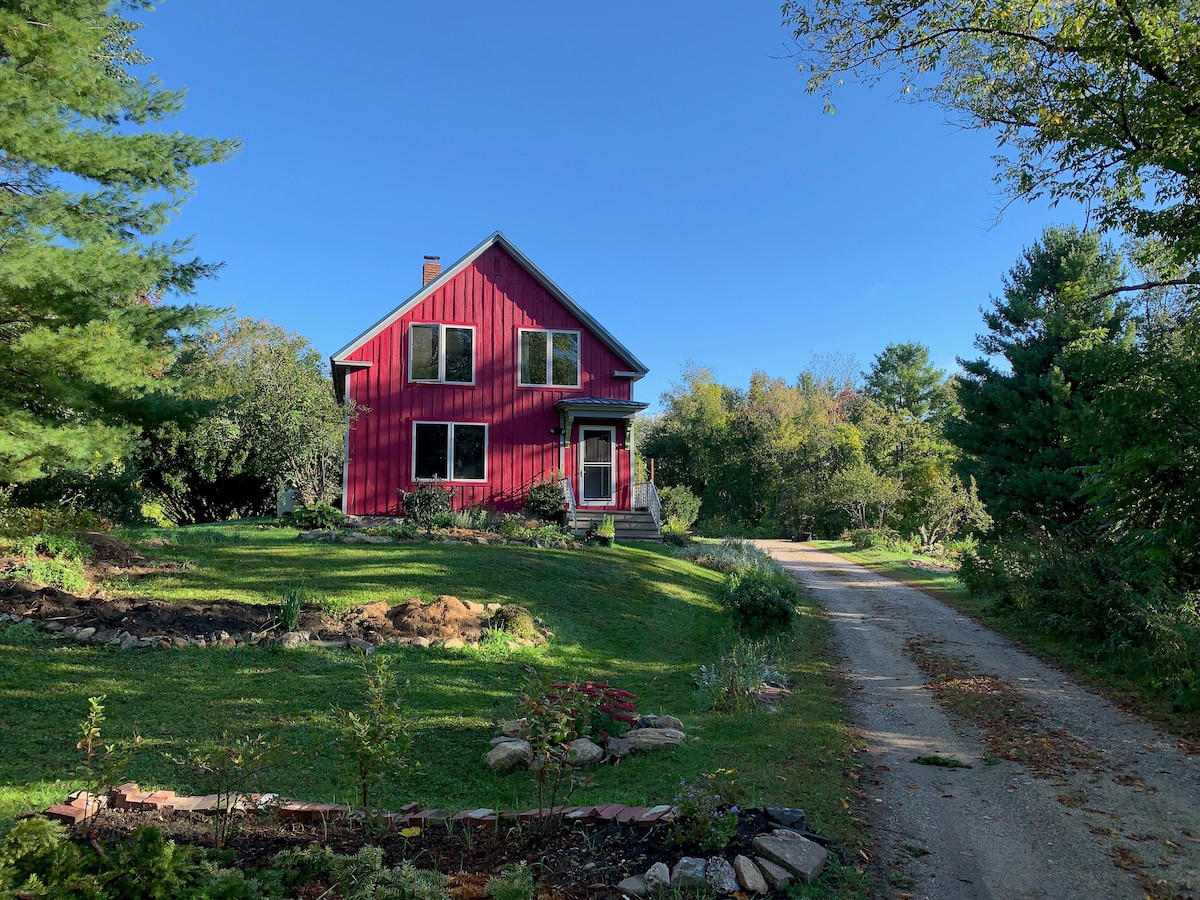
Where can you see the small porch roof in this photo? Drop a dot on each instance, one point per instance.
(600, 407)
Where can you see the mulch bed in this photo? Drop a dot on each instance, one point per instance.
(574, 862)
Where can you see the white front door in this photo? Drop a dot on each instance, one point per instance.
(597, 464)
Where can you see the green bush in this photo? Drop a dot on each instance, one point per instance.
(544, 500)
(707, 814)
(675, 532)
(112, 493)
(319, 515)
(732, 682)
(762, 601)
(878, 539)
(731, 555)
(680, 505)
(20, 521)
(429, 506)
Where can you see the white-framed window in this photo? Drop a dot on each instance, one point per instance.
(548, 358)
(449, 451)
(441, 353)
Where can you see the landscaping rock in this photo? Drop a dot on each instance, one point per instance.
(720, 876)
(84, 634)
(310, 535)
(354, 537)
(786, 816)
(420, 641)
(509, 755)
(749, 876)
(800, 856)
(513, 728)
(128, 641)
(180, 641)
(776, 876)
(634, 886)
(291, 639)
(454, 644)
(657, 878)
(366, 647)
(688, 873)
(660, 722)
(54, 626)
(640, 739)
(582, 752)
(617, 748)
(376, 539)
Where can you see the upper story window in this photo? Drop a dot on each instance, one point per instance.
(549, 358)
(441, 353)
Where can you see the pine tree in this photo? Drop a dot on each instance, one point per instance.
(85, 186)
(1019, 426)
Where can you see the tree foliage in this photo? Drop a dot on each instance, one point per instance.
(903, 380)
(1020, 418)
(270, 419)
(87, 180)
(1096, 102)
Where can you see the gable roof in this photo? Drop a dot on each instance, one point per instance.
(636, 369)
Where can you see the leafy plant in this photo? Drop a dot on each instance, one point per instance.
(707, 816)
(733, 681)
(877, 539)
(376, 742)
(103, 765)
(515, 882)
(553, 716)
(762, 602)
(289, 607)
(679, 505)
(231, 767)
(318, 515)
(731, 555)
(544, 499)
(606, 530)
(429, 506)
(675, 532)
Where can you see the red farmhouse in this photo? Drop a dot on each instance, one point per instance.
(487, 379)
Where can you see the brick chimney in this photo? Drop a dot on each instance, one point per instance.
(431, 270)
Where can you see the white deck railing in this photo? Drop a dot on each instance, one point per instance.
(645, 496)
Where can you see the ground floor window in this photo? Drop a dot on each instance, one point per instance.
(449, 451)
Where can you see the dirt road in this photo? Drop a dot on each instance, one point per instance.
(1100, 804)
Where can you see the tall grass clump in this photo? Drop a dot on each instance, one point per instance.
(731, 555)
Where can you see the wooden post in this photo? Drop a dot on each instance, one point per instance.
(652, 470)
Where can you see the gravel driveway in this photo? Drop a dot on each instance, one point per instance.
(1105, 805)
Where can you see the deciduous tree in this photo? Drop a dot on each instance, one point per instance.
(1096, 102)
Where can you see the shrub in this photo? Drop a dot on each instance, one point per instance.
(20, 521)
(731, 555)
(289, 607)
(675, 532)
(514, 620)
(762, 601)
(318, 515)
(232, 767)
(405, 531)
(375, 743)
(732, 682)
(512, 527)
(52, 559)
(679, 505)
(878, 539)
(707, 815)
(429, 506)
(544, 499)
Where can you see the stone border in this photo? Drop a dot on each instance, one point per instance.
(789, 854)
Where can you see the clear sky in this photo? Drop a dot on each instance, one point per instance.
(659, 160)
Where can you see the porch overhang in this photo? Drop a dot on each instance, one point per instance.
(599, 408)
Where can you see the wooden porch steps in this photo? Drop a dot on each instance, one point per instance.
(637, 525)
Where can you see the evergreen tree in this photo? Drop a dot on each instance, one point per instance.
(903, 379)
(86, 183)
(1019, 422)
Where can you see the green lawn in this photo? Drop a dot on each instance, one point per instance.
(632, 615)
(1122, 678)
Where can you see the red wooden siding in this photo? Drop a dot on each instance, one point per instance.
(498, 296)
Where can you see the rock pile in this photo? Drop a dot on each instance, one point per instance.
(511, 752)
(786, 855)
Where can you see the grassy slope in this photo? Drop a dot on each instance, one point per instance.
(1121, 680)
(632, 615)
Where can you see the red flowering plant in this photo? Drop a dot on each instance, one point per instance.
(612, 710)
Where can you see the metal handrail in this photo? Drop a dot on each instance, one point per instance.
(569, 500)
(645, 496)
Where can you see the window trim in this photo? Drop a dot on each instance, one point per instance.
(613, 466)
(550, 332)
(449, 452)
(441, 379)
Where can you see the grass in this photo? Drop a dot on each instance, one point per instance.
(633, 615)
(1133, 687)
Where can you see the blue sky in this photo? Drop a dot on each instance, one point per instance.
(660, 161)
